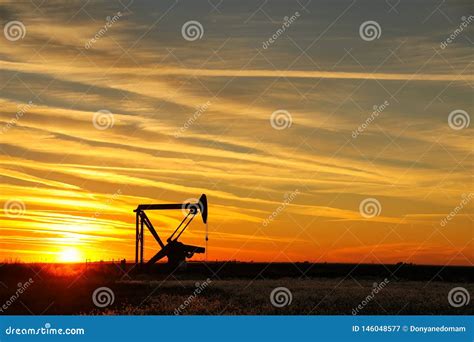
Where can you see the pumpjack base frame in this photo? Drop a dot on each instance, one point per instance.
(176, 252)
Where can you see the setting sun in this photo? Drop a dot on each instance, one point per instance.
(69, 254)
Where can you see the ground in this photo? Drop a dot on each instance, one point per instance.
(233, 289)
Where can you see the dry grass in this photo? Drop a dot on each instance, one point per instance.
(317, 297)
(67, 289)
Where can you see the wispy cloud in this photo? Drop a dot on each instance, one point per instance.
(152, 81)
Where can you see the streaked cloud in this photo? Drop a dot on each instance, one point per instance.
(80, 184)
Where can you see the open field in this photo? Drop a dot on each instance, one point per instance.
(232, 288)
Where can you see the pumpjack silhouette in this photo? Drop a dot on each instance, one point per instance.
(176, 251)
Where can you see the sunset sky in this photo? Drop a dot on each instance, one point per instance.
(194, 116)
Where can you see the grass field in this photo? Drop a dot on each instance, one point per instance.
(233, 289)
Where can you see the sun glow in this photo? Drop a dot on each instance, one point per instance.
(69, 254)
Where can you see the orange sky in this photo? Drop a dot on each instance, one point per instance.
(142, 115)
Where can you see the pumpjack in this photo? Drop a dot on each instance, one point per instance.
(175, 251)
